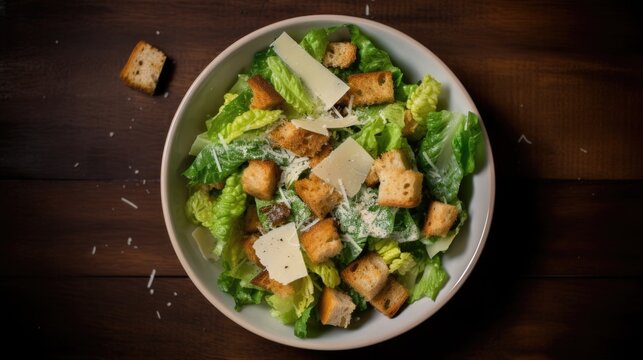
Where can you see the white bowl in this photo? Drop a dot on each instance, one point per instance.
(203, 99)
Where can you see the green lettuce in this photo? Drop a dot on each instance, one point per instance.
(389, 250)
(200, 207)
(259, 64)
(367, 137)
(250, 120)
(360, 303)
(288, 309)
(307, 319)
(216, 161)
(299, 212)
(447, 153)
(316, 41)
(290, 87)
(326, 271)
(236, 283)
(432, 279)
(424, 99)
(383, 131)
(229, 207)
(227, 113)
(405, 228)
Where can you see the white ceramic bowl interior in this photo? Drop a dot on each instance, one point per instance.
(203, 99)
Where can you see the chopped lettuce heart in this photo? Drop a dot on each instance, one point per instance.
(424, 99)
(200, 207)
(326, 271)
(447, 153)
(289, 309)
(250, 120)
(229, 207)
(398, 262)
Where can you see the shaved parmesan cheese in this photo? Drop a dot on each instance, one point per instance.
(319, 80)
(279, 252)
(205, 242)
(350, 163)
(323, 123)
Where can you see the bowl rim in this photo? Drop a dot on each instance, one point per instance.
(230, 313)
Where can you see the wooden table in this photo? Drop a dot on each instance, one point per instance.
(559, 86)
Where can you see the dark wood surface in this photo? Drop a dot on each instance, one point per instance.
(561, 276)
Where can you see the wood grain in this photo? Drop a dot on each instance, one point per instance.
(106, 318)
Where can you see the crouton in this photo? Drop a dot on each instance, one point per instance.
(410, 124)
(439, 219)
(321, 242)
(367, 275)
(391, 298)
(264, 281)
(372, 179)
(335, 308)
(340, 54)
(300, 141)
(276, 213)
(251, 254)
(400, 188)
(369, 89)
(260, 178)
(321, 155)
(143, 68)
(318, 195)
(251, 223)
(264, 96)
(390, 160)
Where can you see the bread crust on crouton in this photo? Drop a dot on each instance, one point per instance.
(391, 298)
(370, 89)
(321, 155)
(251, 223)
(400, 188)
(321, 242)
(251, 254)
(264, 95)
(367, 275)
(340, 54)
(300, 141)
(335, 308)
(264, 281)
(439, 219)
(260, 178)
(143, 67)
(318, 195)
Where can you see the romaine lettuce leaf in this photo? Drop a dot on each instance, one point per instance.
(431, 281)
(316, 41)
(405, 228)
(389, 250)
(289, 309)
(290, 87)
(327, 271)
(200, 208)
(228, 113)
(216, 161)
(367, 136)
(259, 64)
(250, 120)
(383, 129)
(236, 283)
(228, 209)
(447, 153)
(424, 99)
(304, 322)
(299, 212)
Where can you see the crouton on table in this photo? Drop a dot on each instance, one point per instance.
(318, 195)
(439, 219)
(321, 242)
(391, 298)
(367, 275)
(264, 96)
(300, 141)
(335, 308)
(143, 68)
(340, 54)
(260, 178)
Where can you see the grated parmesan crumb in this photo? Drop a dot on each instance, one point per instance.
(169, 304)
(151, 291)
(583, 150)
(136, 171)
(76, 164)
(158, 314)
(167, 93)
(111, 134)
(94, 250)
(144, 181)
(128, 202)
(367, 10)
(524, 138)
(129, 241)
(147, 191)
(149, 283)
(158, 32)
(175, 293)
(56, 42)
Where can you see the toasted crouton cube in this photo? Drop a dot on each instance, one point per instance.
(400, 188)
(251, 223)
(369, 89)
(335, 308)
(439, 219)
(321, 155)
(251, 254)
(410, 124)
(143, 68)
(318, 195)
(372, 179)
(391, 298)
(390, 160)
(367, 275)
(264, 96)
(264, 281)
(300, 141)
(260, 178)
(321, 241)
(340, 54)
